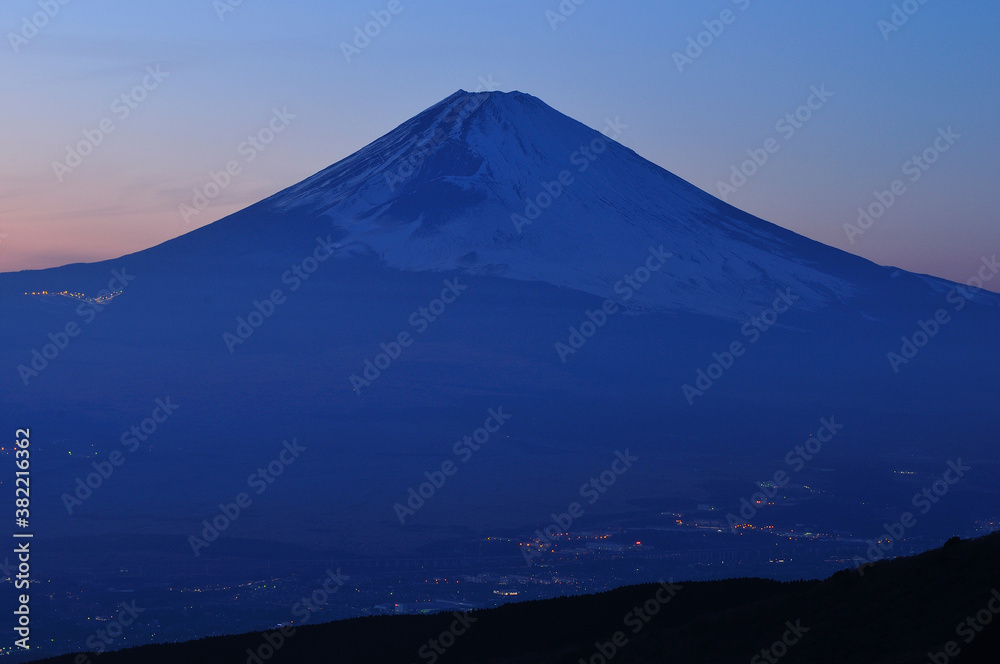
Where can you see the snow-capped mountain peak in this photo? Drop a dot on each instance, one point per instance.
(501, 183)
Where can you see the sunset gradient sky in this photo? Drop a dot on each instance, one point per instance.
(223, 74)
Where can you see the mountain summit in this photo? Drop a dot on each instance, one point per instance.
(500, 183)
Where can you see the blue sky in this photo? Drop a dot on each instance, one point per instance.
(223, 72)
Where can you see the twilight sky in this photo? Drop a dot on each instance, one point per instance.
(181, 87)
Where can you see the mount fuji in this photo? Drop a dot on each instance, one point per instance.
(488, 255)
